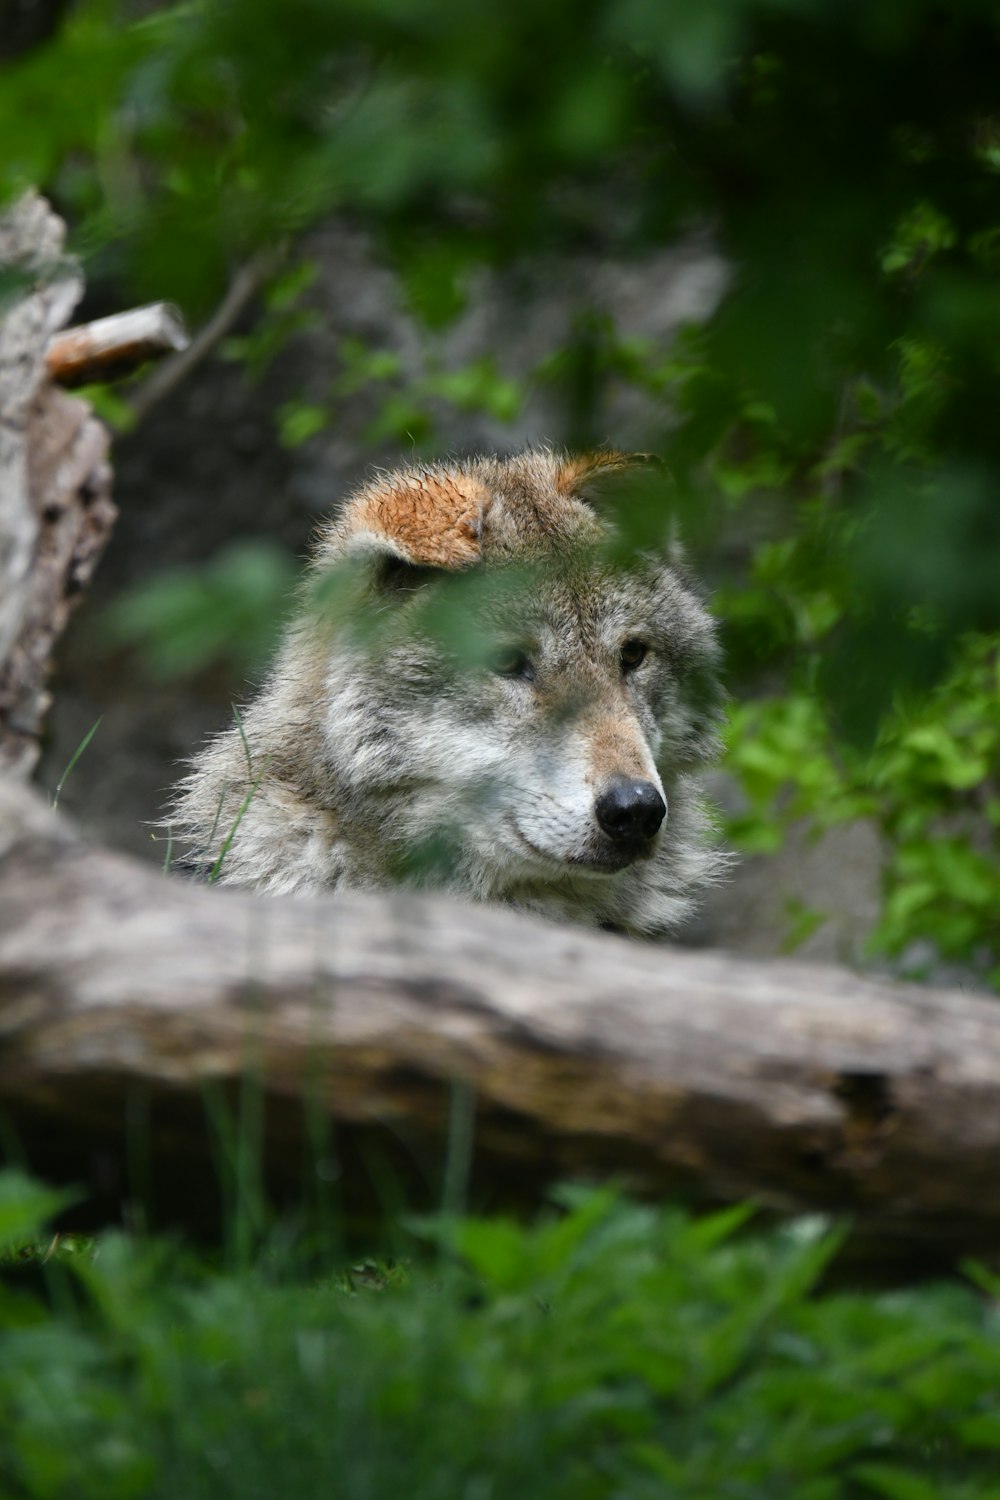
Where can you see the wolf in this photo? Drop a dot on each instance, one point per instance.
(482, 689)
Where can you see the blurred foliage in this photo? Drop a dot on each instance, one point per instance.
(406, 404)
(186, 619)
(930, 786)
(833, 421)
(609, 1350)
(283, 314)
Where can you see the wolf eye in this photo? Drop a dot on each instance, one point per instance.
(632, 654)
(511, 661)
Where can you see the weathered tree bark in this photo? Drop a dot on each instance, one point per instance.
(55, 483)
(807, 1088)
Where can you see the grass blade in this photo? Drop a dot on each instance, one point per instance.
(81, 747)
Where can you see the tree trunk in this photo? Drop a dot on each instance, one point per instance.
(55, 483)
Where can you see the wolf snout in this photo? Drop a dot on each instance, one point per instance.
(629, 810)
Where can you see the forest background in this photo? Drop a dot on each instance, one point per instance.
(760, 238)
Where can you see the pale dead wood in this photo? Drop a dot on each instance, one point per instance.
(44, 292)
(803, 1086)
(55, 483)
(115, 345)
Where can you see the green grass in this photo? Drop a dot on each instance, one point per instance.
(81, 747)
(610, 1350)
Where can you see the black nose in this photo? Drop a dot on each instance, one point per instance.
(630, 811)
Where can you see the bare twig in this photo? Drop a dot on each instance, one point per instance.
(245, 285)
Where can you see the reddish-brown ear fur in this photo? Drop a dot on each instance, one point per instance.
(435, 519)
(578, 468)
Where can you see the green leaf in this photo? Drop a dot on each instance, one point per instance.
(298, 421)
(980, 1431)
(25, 1207)
(896, 1483)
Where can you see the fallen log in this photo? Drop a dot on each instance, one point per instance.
(582, 1053)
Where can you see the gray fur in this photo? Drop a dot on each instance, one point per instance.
(385, 747)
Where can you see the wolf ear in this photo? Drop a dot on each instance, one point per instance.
(425, 519)
(645, 526)
(577, 469)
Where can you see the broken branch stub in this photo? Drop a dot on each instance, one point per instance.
(114, 345)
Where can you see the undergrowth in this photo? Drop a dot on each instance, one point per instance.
(609, 1350)
(928, 785)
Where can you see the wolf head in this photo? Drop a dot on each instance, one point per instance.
(482, 692)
